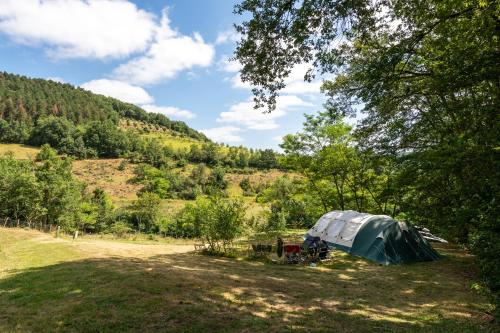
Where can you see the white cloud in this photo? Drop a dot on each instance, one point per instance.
(302, 87)
(78, 28)
(170, 111)
(227, 65)
(119, 90)
(227, 36)
(278, 138)
(243, 113)
(56, 79)
(295, 83)
(169, 54)
(236, 82)
(223, 134)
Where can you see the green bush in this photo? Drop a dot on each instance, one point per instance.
(120, 228)
(276, 221)
(145, 212)
(246, 186)
(165, 183)
(224, 222)
(216, 184)
(187, 222)
(122, 165)
(215, 220)
(485, 243)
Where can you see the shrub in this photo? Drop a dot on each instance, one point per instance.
(122, 165)
(246, 186)
(485, 243)
(120, 228)
(224, 222)
(215, 220)
(145, 212)
(276, 221)
(182, 162)
(165, 183)
(216, 184)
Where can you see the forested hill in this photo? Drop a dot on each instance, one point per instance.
(24, 100)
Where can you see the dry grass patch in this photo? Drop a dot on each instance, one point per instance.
(258, 177)
(166, 136)
(104, 173)
(21, 152)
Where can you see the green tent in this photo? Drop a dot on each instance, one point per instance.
(375, 237)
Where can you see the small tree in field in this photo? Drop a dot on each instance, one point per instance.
(217, 221)
(146, 211)
(224, 223)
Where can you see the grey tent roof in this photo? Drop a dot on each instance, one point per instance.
(376, 237)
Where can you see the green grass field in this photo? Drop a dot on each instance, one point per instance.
(49, 285)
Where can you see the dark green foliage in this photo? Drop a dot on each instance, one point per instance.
(208, 153)
(52, 131)
(104, 209)
(246, 186)
(154, 153)
(276, 221)
(122, 165)
(263, 159)
(232, 157)
(19, 191)
(167, 184)
(50, 112)
(242, 159)
(145, 212)
(14, 131)
(217, 221)
(216, 182)
(288, 199)
(107, 140)
(62, 135)
(187, 223)
(60, 194)
(43, 192)
(425, 73)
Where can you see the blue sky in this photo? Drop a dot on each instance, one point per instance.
(165, 56)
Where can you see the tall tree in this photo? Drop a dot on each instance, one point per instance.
(60, 193)
(425, 73)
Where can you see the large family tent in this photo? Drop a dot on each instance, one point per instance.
(375, 237)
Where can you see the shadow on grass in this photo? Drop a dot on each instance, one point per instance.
(194, 293)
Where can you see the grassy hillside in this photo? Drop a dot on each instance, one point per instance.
(105, 174)
(166, 136)
(116, 182)
(49, 284)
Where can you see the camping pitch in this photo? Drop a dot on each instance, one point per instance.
(375, 237)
